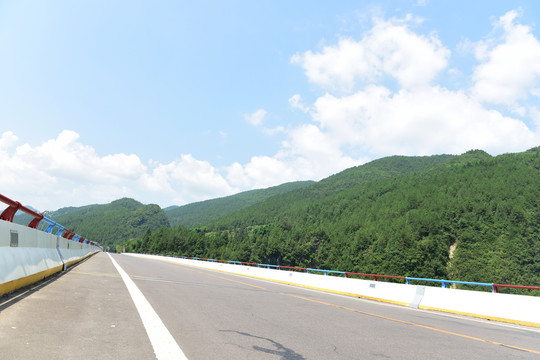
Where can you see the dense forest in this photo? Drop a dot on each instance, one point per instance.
(471, 217)
(111, 224)
(204, 211)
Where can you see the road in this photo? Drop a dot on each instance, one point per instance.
(88, 313)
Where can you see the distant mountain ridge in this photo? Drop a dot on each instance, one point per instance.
(202, 212)
(124, 219)
(378, 170)
(111, 224)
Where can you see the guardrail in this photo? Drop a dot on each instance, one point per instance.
(13, 206)
(444, 283)
(407, 279)
(497, 286)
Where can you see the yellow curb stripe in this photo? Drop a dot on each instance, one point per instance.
(13, 285)
(485, 317)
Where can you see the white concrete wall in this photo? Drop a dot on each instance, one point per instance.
(517, 309)
(36, 252)
(521, 308)
(72, 251)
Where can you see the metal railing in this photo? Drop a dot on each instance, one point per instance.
(444, 283)
(13, 206)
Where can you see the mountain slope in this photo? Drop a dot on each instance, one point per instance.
(111, 224)
(205, 211)
(378, 170)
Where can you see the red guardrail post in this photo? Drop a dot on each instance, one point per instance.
(496, 286)
(9, 213)
(14, 206)
(34, 223)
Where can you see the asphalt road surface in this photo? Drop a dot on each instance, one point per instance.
(89, 313)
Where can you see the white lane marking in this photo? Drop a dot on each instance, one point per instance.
(165, 347)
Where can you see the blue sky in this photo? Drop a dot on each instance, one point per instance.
(172, 102)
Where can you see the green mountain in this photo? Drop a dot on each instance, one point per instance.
(204, 211)
(383, 169)
(471, 217)
(111, 224)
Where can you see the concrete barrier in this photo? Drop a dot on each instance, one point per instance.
(73, 252)
(399, 294)
(517, 309)
(28, 255)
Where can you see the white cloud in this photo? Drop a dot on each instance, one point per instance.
(419, 118)
(186, 180)
(390, 48)
(422, 122)
(296, 102)
(510, 63)
(310, 141)
(273, 131)
(260, 172)
(256, 118)
(236, 176)
(66, 157)
(7, 140)
(63, 171)
(309, 154)
(264, 171)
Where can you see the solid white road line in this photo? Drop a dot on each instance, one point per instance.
(165, 347)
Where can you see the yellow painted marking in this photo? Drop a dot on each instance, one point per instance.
(485, 317)
(414, 324)
(13, 285)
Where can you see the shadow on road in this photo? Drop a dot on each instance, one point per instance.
(277, 348)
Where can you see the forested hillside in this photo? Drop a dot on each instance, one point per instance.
(378, 170)
(111, 224)
(399, 215)
(205, 211)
